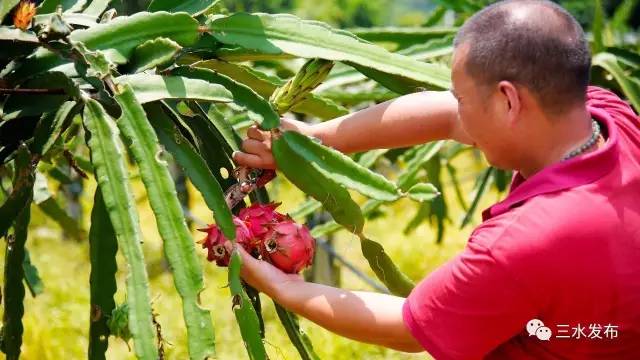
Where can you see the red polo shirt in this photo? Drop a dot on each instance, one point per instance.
(563, 248)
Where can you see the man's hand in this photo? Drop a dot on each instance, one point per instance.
(256, 148)
(263, 276)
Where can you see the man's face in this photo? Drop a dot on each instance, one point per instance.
(479, 112)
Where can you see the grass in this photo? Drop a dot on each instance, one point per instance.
(56, 322)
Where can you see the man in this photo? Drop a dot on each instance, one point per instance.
(554, 269)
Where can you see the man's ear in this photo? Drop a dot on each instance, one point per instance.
(512, 100)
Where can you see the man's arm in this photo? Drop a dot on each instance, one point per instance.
(407, 120)
(367, 317)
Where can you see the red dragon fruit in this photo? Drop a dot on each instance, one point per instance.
(289, 246)
(215, 240)
(259, 218)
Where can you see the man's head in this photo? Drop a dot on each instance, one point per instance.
(515, 61)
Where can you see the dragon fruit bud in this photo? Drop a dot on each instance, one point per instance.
(259, 217)
(289, 246)
(215, 240)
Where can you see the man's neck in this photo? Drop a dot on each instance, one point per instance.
(558, 136)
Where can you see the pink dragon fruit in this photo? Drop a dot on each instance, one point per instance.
(259, 218)
(289, 246)
(215, 240)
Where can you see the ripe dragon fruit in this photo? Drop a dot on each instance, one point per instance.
(289, 246)
(262, 231)
(215, 240)
(260, 217)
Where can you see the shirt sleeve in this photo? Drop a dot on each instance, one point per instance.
(620, 110)
(467, 307)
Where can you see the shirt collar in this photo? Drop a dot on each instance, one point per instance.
(579, 170)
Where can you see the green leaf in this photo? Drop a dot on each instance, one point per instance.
(32, 276)
(122, 35)
(438, 206)
(179, 247)
(481, 188)
(276, 34)
(153, 53)
(49, 6)
(244, 312)
(403, 36)
(384, 268)
(84, 20)
(597, 27)
(232, 140)
(108, 158)
(423, 192)
(622, 14)
(260, 82)
(6, 6)
(630, 87)
(423, 214)
(21, 194)
(7, 33)
(103, 247)
(40, 61)
(150, 88)
(456, 185)
(96, 7)
(461, 6)
(423, 154)
(50, 127)
(351, 98)
(341, 168)
(403, 85)
(20, 105)
(211, 146)
(330, 227)
(625, 56)
(12, 328)
(435, 16)
(426, 51)
(50, 206)
(334, 198)
(240, 54)
(431, 49)
(367, 160)
(265, 86)
(193, 7)
(299, 339)
(501, 179)
(305, 209)
(242, 94)
(194, 167)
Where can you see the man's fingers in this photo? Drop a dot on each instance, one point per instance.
(254, 133)
(256, 147)
(250, 160)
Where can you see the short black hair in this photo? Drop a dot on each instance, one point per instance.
(534, 43)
